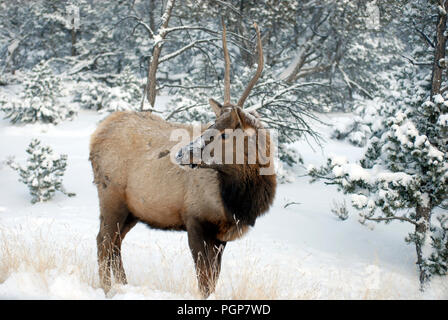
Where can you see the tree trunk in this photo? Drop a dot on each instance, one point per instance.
(74, 11)
(299, 62)
(152, 73)
(437, 70)
(245, 56)
(154, 65)
(423, 215)
(73, 34)
(241, 30)
(146, 89)
(152, 8)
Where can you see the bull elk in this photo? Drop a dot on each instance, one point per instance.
(141, 176)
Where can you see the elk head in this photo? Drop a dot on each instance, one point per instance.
(237, 137)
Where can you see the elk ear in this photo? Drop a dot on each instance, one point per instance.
(240, 117)
(244, 122)
(216, 106)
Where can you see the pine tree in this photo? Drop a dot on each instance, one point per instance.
(39, 99)
(43, 172)
(406, 162)
(129, 83)
(93, 95)
(123, 94)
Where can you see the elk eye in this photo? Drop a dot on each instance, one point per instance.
(224, 136)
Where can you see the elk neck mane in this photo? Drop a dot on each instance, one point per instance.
(245, 193)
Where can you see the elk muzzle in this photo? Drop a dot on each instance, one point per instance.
(191, 153)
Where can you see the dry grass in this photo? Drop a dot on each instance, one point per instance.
(153, 269)
(163, 269)
(245, 284)
(36, 254)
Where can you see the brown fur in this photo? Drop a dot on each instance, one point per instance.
(214, 203)
(137, 181)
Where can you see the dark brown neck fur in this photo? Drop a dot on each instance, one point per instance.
(245, 193)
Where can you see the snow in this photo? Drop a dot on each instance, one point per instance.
(395, 177)
(13, 46)
(443, 120)
(420, 141)
(48, 250)
(436, 154)
(425, 201)
(157, 39)
(338, 171)
(339, 160)
(438, 99)
(359, 200)
(356, 172)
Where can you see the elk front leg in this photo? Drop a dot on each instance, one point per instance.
(207, 253)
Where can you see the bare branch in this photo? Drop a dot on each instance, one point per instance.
(298, 62)
(416, 63)
(350, 82)
(391, 218)
(187, 28)
(427, 39)
(87, 64)
(282, 92)
(183, 49)
(139, 22)
(180, 109)
(443, 89)
(307, 71)
(229, 5)
(184, 87)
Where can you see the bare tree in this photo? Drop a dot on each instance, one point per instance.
(160, 37)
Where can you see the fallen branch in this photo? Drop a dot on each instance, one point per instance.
(290, 204)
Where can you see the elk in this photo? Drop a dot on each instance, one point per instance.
(141, 176)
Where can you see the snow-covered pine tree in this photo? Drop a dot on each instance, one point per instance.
(130, 83)
(403, 175)
(93, 95)
(43, 172)
(39, 99)
(124, 94)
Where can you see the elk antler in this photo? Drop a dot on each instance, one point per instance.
(257, 74)
(227, 65)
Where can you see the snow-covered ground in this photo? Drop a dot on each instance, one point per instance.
(48, 250)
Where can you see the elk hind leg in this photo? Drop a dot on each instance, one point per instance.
(112, 220)
(117, 261)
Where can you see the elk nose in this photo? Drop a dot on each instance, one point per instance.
(179, 155)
